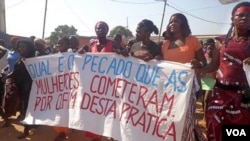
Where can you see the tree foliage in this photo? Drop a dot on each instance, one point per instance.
(62, 30)
(121, 30)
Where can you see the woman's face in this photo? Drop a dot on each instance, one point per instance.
(241, 19)
(101, 30)
(22, 49)
(141, 33)
(209, 48)
(174, 25)
(62, 45)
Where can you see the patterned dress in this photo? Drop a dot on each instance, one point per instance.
(11, 98)
(226, 105)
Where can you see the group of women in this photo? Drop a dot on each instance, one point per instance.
(228, 104)
(180, 46)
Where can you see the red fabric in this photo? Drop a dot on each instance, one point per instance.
(61, 129)
(224, 105)
(92, 135)
(107, 48)
(231, 63)
(242, 9)
(221, 102)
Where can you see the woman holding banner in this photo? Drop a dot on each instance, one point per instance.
(99, 45)
(230, 101)
(145, 48)
(11, 100)
(102, 44)
(22, 79)
(63, 45)
(180, 46)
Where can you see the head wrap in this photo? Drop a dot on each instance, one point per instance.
(104, 23)
(242, 9)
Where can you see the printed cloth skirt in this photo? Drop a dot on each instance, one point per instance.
(11, 101)
(225, 107)
(192, 131)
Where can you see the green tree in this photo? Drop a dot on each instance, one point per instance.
(121, 30)
(61, 30)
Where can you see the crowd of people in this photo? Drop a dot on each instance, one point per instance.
(220, 81)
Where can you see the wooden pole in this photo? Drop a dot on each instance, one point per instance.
(44, 21)
(2, 16)
(163, 14)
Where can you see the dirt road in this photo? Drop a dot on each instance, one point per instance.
(46, 133)
(41, 133)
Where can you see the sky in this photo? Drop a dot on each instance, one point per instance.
(26, 17)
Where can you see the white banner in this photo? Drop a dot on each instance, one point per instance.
(247, 72)
(108, 94)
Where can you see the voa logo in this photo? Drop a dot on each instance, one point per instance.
(236, 132)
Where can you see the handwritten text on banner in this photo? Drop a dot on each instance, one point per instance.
(111, 95)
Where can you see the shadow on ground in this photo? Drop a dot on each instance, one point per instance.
(46, 133)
